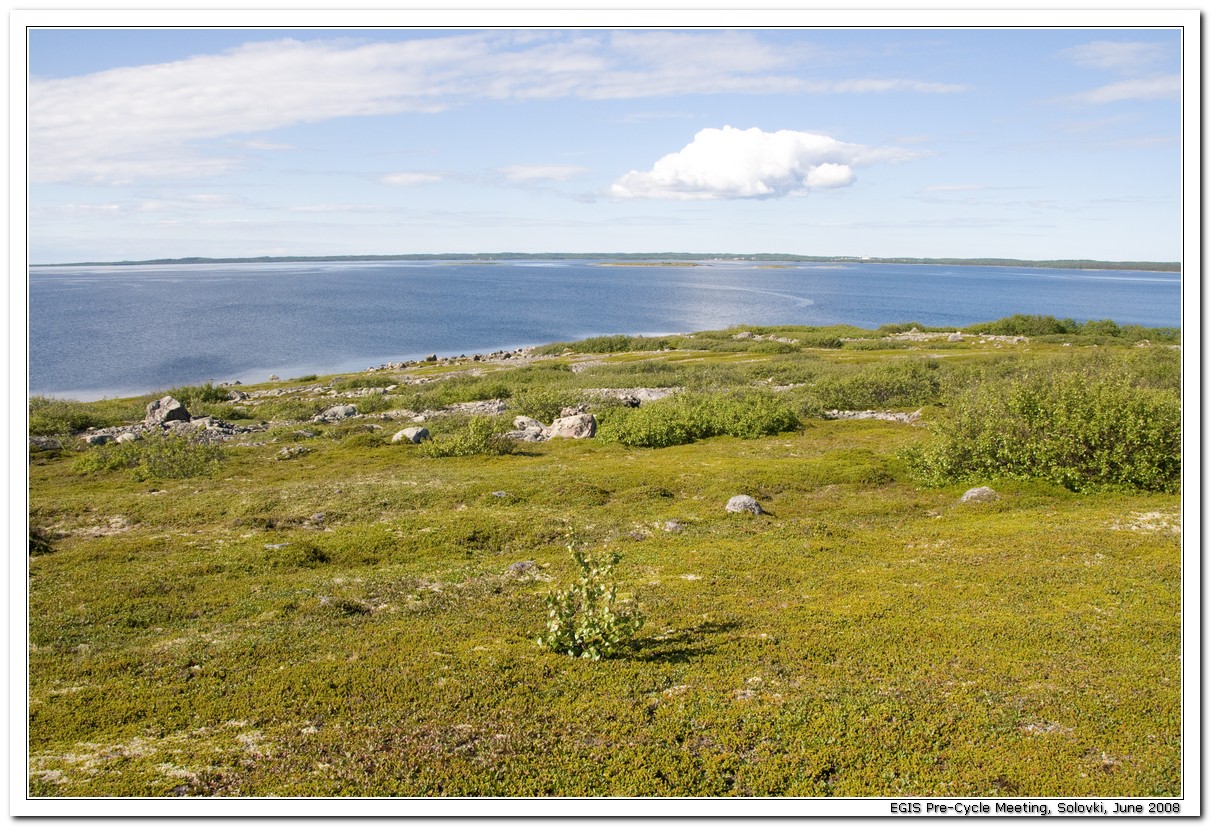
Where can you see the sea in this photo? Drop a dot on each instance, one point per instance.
(113, 331)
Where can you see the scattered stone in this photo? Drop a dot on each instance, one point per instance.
(522, 568)
(486, 407)
(744, 503)
(525, 423)
(674, 526)
(129, 436)
(955, 337)
(983, 494)
(413, 435)
(96, 439)
(743, 334)
(913, 418)
(500, 493)
(336, 412)
(580, 426)
(572, 410)
(292, 452)
(165, 409)
(273, 377)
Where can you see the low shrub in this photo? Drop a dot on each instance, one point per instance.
(880, 385)
(687, 417)
(584, 620)
(1021, 324)
(49, 416)
(545, 404)
(153, 457)
(479, 435)
(190, 395)
(362, 380)
(1085, 429)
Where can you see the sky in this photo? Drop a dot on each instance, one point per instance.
(1030, 143)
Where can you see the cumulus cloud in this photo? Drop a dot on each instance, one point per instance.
(147, 122)
(751, 163)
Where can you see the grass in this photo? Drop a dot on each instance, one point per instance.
(352, 622)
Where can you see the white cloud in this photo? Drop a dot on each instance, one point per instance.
(148, 122)
(1113, 56)
(410, 179)
(1165, 87)
(541, 172)
(750, 163)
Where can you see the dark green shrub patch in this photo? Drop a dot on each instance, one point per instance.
(880, 385)
(1083, 429)
(687, 417)
(153, 457)
(479, 435)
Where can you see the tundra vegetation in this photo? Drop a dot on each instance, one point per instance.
(378, 618)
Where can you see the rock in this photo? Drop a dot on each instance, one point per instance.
(165, 409)
(96, 439)
(522, 568)
(572, 410)
(528, 435)
(742, 503)
(485, 407)
(413, 435)
(743, 334)
(432, 357)
(337, 412)
(129, 436)
(292, 452)
(983, 494)
(273, 377)
(580, 426)
(955, 337)
(675, 526)
(525, 423)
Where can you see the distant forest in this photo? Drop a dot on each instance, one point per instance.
(1070, 264)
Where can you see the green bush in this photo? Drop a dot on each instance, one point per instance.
(544, 404)
(879, 385)
(153, 457)
(199, 394)
(687, 417)
(584, 621)
(479, 435)
(1025, 325)
(49, 416)
(1085, 429)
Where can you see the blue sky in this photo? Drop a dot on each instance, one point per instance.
(1030, 143)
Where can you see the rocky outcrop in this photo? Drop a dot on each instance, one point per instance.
(913, 418)
(335, 413)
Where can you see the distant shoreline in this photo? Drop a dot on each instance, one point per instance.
(654, 259)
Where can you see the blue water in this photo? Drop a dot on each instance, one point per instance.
(114, 331)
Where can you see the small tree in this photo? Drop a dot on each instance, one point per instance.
(582, 621)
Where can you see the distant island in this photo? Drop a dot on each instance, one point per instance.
(659, 259)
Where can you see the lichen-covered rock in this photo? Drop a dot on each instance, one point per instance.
(983, 494)
(580, 426)
(526, 423)
(413, 435)
(742, 503)
(165, 409)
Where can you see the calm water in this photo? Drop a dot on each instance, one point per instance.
(115, 331)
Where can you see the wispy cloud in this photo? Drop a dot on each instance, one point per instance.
(1165, 87)
(750, 163)
(149, 122)
(540, 172)
(1117, 56)
(410, 179)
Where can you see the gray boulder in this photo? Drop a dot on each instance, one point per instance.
(165, 409)
(580, 426)
(129, 436)
(744, 503)
(983, 494)
(337, 412)
(96, 439)
(413, 435)
(525, 423)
